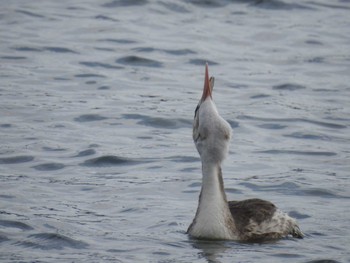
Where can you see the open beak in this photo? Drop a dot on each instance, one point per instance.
(207, 85)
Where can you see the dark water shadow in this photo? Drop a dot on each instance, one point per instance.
(139, 61)
(291, 120)
(15, 224)
(48, 241)
(89, 118)
(159, 122)
(112, 160)
(49, 166)
(16, 159)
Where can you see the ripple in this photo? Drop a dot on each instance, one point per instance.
(233, 124)
(60, 50)
(176, 52)
(89, 75)
(30, 14)
(92, 64)
(90, 117)
(119, 41)
(298, 215)
(278, 5)
(201, 62)
(87, 152)
(208, 3)
(316, 60)
(301, 135)
(15, 224)
(123, 3)
(319, 123)
(3, 238)
(13, 57)
(49, 241)
(29, 49)
(16, 159)
(323, 261)
(325, 193)
(104, 88)
(260, 96)
(272, 126)
(183, 159)
(180, 52)
(159, 122)
(49, 166)
(107, 18)
(51, 149)
(109, 160)
(287, 187)
(299, 152)
(289, 87)
(139, 61)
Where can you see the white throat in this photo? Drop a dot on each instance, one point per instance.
(213, 218)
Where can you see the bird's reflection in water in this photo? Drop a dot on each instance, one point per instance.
(212, 250)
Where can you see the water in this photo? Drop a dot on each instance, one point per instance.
(97, 98)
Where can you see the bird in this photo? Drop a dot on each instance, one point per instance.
(251, 220)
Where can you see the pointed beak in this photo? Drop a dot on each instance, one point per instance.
(207, 85)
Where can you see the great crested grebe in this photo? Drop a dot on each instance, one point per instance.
(247, 220)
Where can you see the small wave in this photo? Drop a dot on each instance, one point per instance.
(107, 18)
(16, 159)
(32, 14)
(325, 193)
(201, 62)
(118, 41)
(289, 87)
(272, 126)
(92, 64)
(159, 122)
(285, 187)
(49, 166)
(89, 75)
(13, 57)
(319, 123)
(89, 117)
(27, 49)
(260, 96)
(177, 52)
(15, 224)
(180, 52)
(298, 215)
(278, 5)
(6, 125)
(59, 50)
(87, 152)
(104, 88)
(109, 160)
(323, 261)
(124, 3)
(51, 149)
(47, 241)
(208, 3)
(183, 159)
(301, 135)
(298, 152)
(139, 61)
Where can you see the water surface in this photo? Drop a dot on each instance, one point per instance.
(97, 98)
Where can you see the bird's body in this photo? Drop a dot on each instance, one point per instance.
(216, 218)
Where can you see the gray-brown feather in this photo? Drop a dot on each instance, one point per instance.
(251, 215)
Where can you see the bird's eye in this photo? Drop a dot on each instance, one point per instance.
(196, 110)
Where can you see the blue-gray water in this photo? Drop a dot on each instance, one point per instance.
(97, 162)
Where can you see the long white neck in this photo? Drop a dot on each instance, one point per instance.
(213, 218)
(212, 184)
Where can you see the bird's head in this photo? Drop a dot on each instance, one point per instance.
(211, 133)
